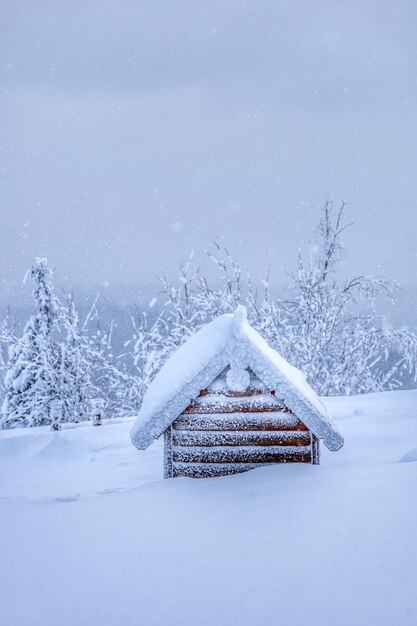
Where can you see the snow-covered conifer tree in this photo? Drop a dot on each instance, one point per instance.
(31, 380)
(59, 362)
(7, 339)
(75, 371)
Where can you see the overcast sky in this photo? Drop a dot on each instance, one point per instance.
(134, 132)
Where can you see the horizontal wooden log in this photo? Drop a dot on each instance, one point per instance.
(275, 454)
(239, 421)
(206, 408)
(235, 394)
(240, 438)
(210, 470)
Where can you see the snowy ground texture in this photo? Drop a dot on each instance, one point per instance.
(92, 535)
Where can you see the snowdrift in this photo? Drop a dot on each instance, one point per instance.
(91, 534)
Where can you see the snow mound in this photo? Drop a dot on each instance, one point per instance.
(410, 456)
(95, 536)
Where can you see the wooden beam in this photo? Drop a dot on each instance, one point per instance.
(210, 470)
(251, 391)
(214, 407)
(270, 454)
(315, 445)
(168, 453)
(239, 421)
(240, 438)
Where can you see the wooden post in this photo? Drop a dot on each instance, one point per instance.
(55, 413)
(168, 473)
(315, 447)
(97, 406)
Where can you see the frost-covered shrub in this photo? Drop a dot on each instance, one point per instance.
(316, 322)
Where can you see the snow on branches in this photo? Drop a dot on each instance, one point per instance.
(326, 326)
(58, 366)
(322, 323)
(32, 372)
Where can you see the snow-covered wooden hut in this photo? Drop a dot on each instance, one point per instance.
(226, 402)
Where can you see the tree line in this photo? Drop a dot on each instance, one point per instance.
(62, 369)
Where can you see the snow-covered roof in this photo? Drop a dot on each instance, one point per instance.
(228, 340)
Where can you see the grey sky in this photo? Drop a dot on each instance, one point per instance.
(133, 132)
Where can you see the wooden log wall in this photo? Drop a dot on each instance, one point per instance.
(225, 433)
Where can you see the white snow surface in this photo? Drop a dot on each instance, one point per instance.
(227, 340)
(183, 366)
(91, 534)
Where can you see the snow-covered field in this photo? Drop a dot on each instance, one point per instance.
(91, 534)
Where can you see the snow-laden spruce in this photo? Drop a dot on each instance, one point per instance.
(47, 378)
(32, 373)
(228, 341)
(58, 366)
